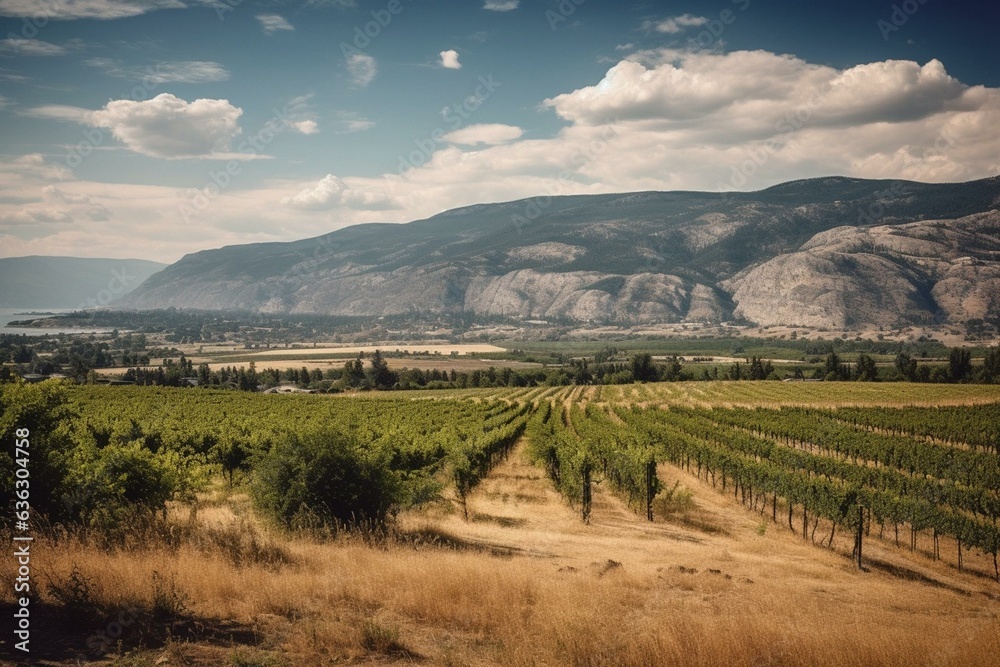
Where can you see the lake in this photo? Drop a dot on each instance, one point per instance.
(12, 314)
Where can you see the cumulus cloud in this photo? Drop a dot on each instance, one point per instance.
(449, 59)
(305, 126)
(757, 88)
(501, 5)
(85, 9)
(667, 120)
(271, 23)
(655, 121)
(675, 25)
(362, 68)
(177, 71)
(169, 127)
(486, 133)
(332, 192)
(19, 46)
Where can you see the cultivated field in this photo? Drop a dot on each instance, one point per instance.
(499, 566)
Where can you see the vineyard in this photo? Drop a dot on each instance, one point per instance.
(866, 474)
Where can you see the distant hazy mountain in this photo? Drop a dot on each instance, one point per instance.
(821, 252)
(69, 282)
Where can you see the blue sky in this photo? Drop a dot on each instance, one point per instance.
(161, 127)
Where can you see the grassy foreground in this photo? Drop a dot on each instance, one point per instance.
(523, 581)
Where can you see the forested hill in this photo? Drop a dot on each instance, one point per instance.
(823, 252)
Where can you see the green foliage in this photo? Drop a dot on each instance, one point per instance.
(42, 410)
(327, 474)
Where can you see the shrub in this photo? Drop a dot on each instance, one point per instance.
(325, 475)
(40, 409)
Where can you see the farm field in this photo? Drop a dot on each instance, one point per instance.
(689, 523)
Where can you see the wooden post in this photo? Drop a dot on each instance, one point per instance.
(650, 490)
(860, 535)
(587, 498)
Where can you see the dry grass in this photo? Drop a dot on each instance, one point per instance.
(526, 583)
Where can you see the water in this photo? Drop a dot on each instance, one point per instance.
(11, 314)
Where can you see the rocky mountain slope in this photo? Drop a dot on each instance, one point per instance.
(823, 252)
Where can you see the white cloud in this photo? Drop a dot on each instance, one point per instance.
(675, 25)
(487, 133)
(655, 121)
(59, 112)
(300, 114)
(9, 75)
(351, 121)
(271, 23)
(84, 9)
(362, 68)
(694, 120)
(19, 46)
(332, 192)
(169, 127)
(305, 126)
(501, 5)
(178, 71)
(449, 59)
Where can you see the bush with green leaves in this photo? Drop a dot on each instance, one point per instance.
(42, 410)
(79, 478)
(326, 475)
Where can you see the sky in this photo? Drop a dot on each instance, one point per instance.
(156, 128)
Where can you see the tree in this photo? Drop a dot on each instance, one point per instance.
(991, 365)
(643, 369)
(232, 455)
(906, 366)
(760, 370)
(382, 377)
(37, 409)
(833, 369)
(867, 370)
(354, 373)
(959, 364)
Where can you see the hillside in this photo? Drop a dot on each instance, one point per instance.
(69, 282)
(824, 252)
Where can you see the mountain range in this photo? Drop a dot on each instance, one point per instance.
(69, 282)
(828, 252)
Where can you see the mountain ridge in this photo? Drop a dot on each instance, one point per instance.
(636, 257)
(48, 281)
